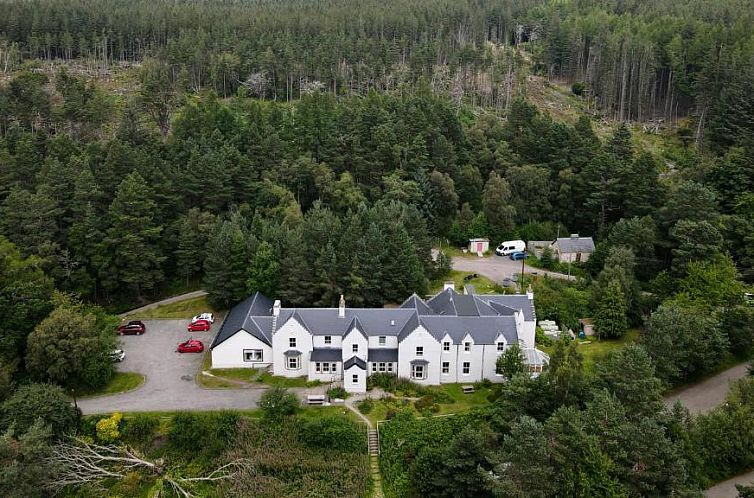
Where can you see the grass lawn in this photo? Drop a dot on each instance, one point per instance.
(120, 383)
(223, 378)
(181, 309)
(461, 402)
(482, 284)
(594, 350)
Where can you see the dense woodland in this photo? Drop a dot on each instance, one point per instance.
(312, 149)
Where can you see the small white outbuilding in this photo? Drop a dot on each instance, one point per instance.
(479, 245)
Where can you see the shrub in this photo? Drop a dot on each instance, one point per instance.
(365, 406)
(394, 384)
(39, 401)
(202, 432)
(140, 428)
(108, 429)
(334, 433)
(337, 392)
(278, 402)
(578, 88)
(440, 395)
(426, 403)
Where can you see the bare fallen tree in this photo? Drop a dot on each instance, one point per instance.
(86, 463)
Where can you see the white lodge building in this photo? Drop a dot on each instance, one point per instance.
(450, 338)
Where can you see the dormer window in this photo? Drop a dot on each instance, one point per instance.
(501, 346)
(467, 346)
(446, 346)
(355, 348)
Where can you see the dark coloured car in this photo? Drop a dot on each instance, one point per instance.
(134, 327)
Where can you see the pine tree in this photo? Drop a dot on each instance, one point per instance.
(264, 271)
(133, 238)
(610, 319)
(496, 203)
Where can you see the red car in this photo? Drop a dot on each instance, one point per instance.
(134, 327)
(191, 346)
(199, 326)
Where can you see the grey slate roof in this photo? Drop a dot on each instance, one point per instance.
(292, 352)
(383, 354)
(355, 360)
(484, 317)
(245, 316)
(419, 362)
(326, 354)
(356, 325)
(575, 244)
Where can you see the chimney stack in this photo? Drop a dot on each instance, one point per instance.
(342, 307)
(276, 307)
(449, 285)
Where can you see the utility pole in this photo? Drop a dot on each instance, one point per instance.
(523, 268)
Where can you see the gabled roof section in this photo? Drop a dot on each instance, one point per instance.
(409, 327)
(241, 317)
(512, 301)
(355, 325)
(442, 303)
(482, 329)
(465, 305)
(575, 244)
(355, 360)
(417, 303)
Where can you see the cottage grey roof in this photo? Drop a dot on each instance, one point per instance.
(245, 316)
(383, 354)
(355, 360)
(482, 329)
(326, 354)
(484, 317)
(575, 244)
(419, 362)
(292, 352)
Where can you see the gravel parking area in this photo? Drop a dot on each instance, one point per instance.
(497, 268)
(169, 375)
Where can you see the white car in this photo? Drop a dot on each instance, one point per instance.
(117, 355)
(204, 316)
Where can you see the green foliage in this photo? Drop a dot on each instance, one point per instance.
(71, 348)
(333, 433)
(610, 318)
(629, 375)
(683, 340)
(206, 433)
(43, 402)
(396, 385)
(511, 362)
(365, 405)
(264, 271)
(337, 392)
(26, 463)
(139, 428)
(277, 403)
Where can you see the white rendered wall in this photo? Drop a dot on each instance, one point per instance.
(280, 344)
(407, 353)
(391, 342)
(229, 353)
(355, 387)
(355, 337)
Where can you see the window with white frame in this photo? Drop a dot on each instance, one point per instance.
(382, 367)
(419, 350)
(417, 371)
(466, 368)
(292, 342)
(355, 348)
(252, 355)
(501, 346)
(317, 367)
(446, 346)
(355, 378)
(382, 340)
(374, 367)
(328, 339)
(445, 367)
(325, 368)
(294, 363)
(390, 367)
(467, 346)
(333, 367)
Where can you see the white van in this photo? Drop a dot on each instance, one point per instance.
(509, 247)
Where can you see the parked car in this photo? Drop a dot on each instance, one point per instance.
(199, 326)
(204, 316)
(191, 346)
(134, 327)
(519, 255)
(117, 355)
(509, 247)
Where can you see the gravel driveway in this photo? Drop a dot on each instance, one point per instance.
(707, 394)
(497, 268)
(169, 375)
